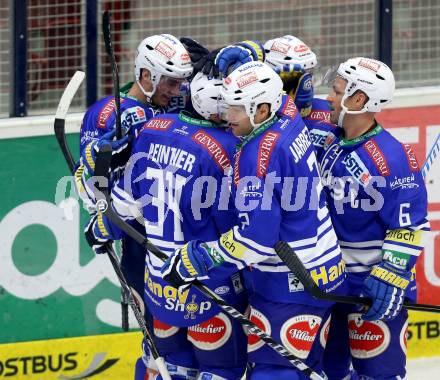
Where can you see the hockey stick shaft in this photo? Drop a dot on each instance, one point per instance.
(59, 127)
(296, 266)
(104, 204)
(106, 32)
(433, 153)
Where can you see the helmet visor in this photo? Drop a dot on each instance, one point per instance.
(231, 113)
(175, 86)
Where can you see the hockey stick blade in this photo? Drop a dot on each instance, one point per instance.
(106, 33)
(296, 266)
(104, 198)
(60, 116)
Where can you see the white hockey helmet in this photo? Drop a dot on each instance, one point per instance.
(162, 54)
(250, 85)
(289, 50)
(372, 77)
(204, 94)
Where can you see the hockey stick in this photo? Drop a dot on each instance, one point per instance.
(60, 116)
(104, 204)
(430, 158)
(107, 35)
(59, 127)
(106, 32)
(296, 266)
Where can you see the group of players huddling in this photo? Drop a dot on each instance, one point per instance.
(224, 154)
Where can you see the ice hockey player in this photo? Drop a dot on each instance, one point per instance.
(378, 204)
(177, 165)
(273, 155)
(162, 64)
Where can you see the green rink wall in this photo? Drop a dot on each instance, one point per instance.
(51, 283)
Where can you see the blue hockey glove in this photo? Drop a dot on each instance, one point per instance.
(100, 232)
(303, 96)
(196, 50)
(188, 263)
(120, 151)
(386, 287)
(233, 56)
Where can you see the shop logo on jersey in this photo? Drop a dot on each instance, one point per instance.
(258, 318)
(165, 49)
(211, 334)
(356, 168)
(377, 156)
(367, 339)
(412, 159)
(299, 332)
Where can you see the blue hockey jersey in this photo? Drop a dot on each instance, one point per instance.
(377, 200)
(176, 185)
(278, 195)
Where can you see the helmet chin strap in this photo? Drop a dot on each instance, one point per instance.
(346, 111)
(154, 83)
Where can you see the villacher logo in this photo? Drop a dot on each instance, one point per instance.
(61, 363)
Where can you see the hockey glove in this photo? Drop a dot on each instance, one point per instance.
(188, 263)
(100, 232)
(120, 151)
(233, 56)
(196, 51)
(303, 95)
(386, 287)
(206, 64)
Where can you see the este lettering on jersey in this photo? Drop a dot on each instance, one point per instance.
(214, 149)
(378, 157)
(267, 145)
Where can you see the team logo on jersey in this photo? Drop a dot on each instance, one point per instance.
(377, 156)
(289, 109)
(403, 338)
(163, 330)
(165, 49)
(404, 183)
(356, 168)
(370, 64)
(267, 144)
(280, 47)
(323, 334)
(367, 339)
(412, 159)
(254, 342)
(211, 334)
(158, 124)
(214, 149)
(298, 333)
(246, 79)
